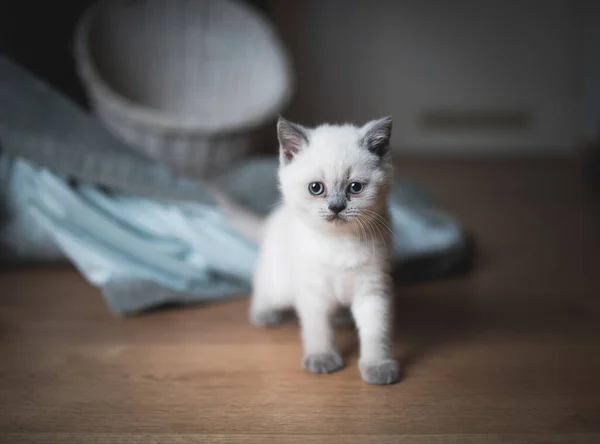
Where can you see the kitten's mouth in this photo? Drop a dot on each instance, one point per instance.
(336, 218)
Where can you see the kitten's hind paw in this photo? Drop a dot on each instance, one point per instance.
(266, 318)
(323, 362)
(380, 373)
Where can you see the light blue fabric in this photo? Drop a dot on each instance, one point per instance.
(186, 251)
(22, 238)
(185, 247)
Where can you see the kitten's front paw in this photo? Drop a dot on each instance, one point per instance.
(323, 362)
(380, 373)
(266, 318)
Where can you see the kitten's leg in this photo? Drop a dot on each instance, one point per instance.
(265, 311)
(372, 314)
(320, 352)
(271, 292)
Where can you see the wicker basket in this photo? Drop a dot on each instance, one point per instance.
(184, 81)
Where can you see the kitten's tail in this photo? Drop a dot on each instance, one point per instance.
(247, 222)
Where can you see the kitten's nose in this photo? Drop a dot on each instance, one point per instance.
(337, 207)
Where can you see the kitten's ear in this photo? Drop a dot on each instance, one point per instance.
(376, 136)
(292, 138)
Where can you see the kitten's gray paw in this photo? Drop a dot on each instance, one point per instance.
(380, 373)
(323, 362)
(266, 318)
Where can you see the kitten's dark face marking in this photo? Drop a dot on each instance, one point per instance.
(337, 203)
(337, 197)
(334, 196)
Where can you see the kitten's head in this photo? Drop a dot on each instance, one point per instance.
(335, 176)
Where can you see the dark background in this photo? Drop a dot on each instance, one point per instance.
(39, 36)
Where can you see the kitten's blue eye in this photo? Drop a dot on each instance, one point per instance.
(355, 188)
(316, 188)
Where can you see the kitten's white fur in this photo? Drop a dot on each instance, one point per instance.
(316, 265)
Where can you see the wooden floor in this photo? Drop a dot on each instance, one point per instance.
(508, 354)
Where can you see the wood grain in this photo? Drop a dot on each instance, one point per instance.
(507, 354)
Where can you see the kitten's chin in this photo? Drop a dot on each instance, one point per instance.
(330, 223)
(337, 224)
(336, 219)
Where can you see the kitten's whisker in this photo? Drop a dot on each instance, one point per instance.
(382, 236)
(360, 229)
(387, 234)
(380, 218)
(371, 236)
(367, 236)
(355, 222)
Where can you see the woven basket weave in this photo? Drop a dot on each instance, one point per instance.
(184, 81)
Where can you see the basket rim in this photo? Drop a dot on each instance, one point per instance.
(162, 120)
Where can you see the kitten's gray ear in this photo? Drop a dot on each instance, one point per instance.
(292, 138)
(377, 134)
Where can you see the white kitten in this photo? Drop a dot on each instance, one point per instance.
(328, 245)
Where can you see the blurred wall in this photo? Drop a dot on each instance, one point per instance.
(473, 77)
(591, 69)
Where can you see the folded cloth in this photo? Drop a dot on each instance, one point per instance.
(22, 238)
(143, 235)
